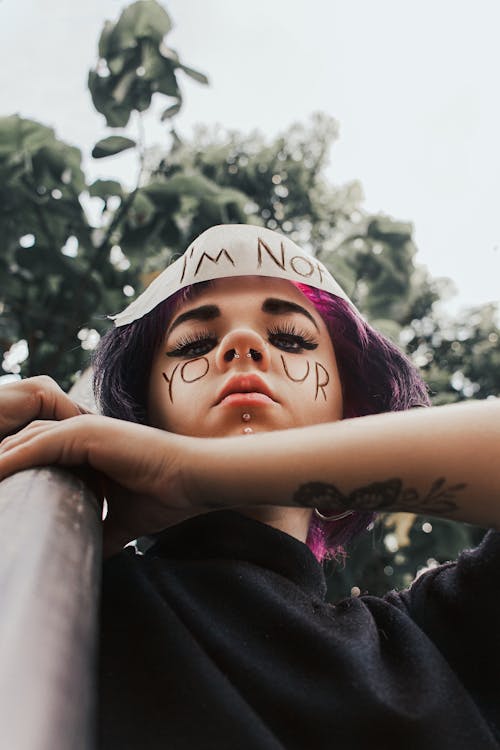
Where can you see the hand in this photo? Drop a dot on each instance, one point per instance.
(34, 398)
(140, 470)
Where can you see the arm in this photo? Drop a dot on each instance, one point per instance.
(442, 461)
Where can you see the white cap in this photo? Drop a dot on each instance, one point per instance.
(233, 250)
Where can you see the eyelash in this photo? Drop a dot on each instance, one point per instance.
(287, 332)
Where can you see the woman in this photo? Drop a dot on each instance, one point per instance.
(219, 635)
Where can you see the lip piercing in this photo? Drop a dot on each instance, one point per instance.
(246, 417)
(247, 430)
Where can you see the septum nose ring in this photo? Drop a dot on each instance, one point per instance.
(234, 354)
(254, 354)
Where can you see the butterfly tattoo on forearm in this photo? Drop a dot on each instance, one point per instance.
(379, 496)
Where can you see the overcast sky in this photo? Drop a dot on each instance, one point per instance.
(413, 85)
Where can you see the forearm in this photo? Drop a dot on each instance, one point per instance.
(442, 461)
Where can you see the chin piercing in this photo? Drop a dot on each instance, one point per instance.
(246, 417)
(247, 430)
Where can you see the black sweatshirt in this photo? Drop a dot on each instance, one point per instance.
(220, 637)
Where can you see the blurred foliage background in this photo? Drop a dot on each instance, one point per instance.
(72, 252)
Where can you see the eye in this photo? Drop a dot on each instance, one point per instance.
(290, 339)
(195, 345)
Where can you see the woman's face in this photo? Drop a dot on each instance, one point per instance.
(248, 354)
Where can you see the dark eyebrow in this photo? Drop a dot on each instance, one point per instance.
(272, 306)
(205, 312)
(283, 306)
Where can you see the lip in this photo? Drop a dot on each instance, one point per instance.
(245, 389)
(246, 399)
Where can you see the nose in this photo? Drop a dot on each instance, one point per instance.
(240, 348)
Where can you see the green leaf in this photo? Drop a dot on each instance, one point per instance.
(118, 63)
(18, 134)
(143, 19)
(105, 38)
(139, 62)
(382, 227)
(163, 196)
(114, 144)
(34, 159)
(124, 86)
(54, 157)
(142, 95)
(168, 53)
(34, 135)
(151, 61)
(231, 195)
(117, 115)
(171, 111)
(192, 73)
(105, 188)
(112, 97)
(141, 211)
(167, 83)
(194, 185)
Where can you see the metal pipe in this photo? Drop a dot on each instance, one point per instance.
(50, 565)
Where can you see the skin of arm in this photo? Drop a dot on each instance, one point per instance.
(442, 461)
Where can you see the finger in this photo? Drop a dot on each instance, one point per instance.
(44, 444)
(33, 398)
(34, 428)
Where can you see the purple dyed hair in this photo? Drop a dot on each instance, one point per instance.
(376, 376)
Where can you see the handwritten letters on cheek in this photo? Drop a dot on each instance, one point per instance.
(196, 369)
(189, 372)
(321, 376)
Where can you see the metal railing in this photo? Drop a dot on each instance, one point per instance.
(50, 562)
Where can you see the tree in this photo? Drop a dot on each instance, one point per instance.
(60, 275)
(460, 357)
